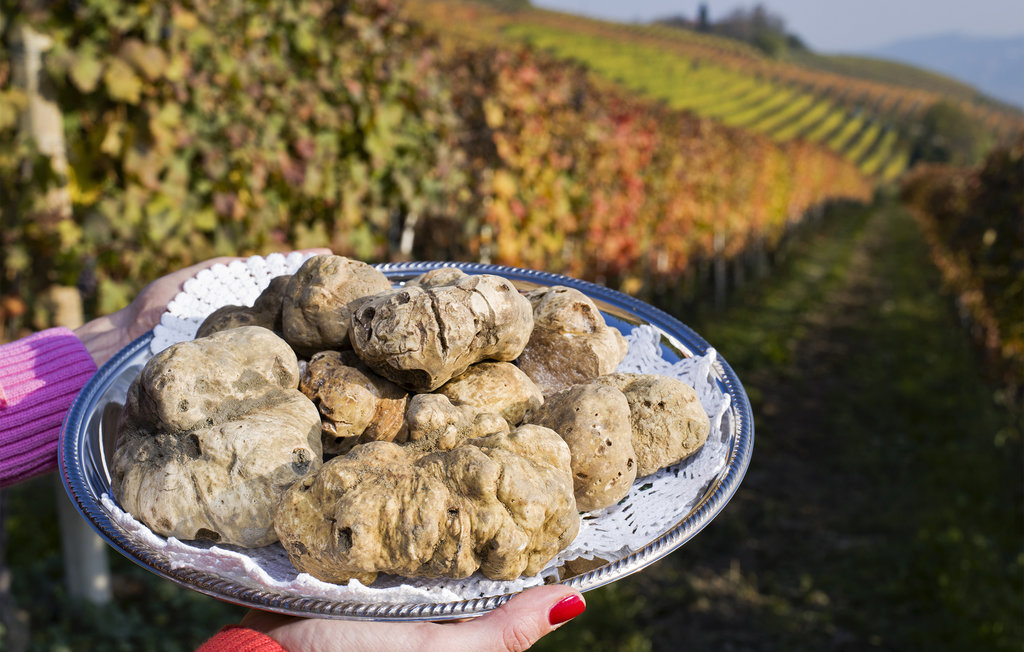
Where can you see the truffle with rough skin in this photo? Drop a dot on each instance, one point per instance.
(571, 343)
(499, 387)
(319, 300)
(356, 405)
(501, 504)
(265, 311)
(439, 276)
(432, 423)
(421, 337)
(669, 423)
(212, 433)
(593, 419)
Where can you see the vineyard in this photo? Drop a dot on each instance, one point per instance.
(184, 137)
(973, 221)
(868, 122)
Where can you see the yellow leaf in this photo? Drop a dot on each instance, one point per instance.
(177, 67)
(504, 185)
(493, 114)
(112, 140)
(148, 59)
(81, 196)
(86, 71)
(12, 102)
(70, 234)
(122, 82)
(205, 219)
(112, 296)
(184, 19)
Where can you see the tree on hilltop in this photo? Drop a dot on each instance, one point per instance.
(757, 26)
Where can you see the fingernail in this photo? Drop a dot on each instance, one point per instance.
(566, 609)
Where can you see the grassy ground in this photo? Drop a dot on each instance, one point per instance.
(882, 509)
(147, 613)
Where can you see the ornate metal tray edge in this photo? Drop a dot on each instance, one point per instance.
(83, 473)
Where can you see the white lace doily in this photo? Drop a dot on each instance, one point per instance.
(236, 284)
(653, 506)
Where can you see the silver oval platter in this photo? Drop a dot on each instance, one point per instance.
(661, 513)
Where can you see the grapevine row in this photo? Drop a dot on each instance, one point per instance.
(229, 128)
(973, 220)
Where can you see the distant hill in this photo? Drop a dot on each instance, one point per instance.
(994, 66)
(867, 110)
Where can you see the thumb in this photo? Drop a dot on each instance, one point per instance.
(523, 620)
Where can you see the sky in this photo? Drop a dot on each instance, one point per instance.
(829, 26)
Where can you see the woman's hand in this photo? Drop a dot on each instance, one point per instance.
(513, 627)
(105, 336)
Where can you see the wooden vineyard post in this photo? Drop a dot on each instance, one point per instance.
(42, 119)
(86, 568)
(87, 571)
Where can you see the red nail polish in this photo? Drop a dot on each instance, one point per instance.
(566, 609)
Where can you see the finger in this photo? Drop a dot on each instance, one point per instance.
(319, 251)
(520, 622)
(149, 305)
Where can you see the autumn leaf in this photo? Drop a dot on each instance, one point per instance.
(12, 102)
(121, 81)
(146, 58)
(86, 70)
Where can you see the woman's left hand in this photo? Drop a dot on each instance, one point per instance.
(105, 336)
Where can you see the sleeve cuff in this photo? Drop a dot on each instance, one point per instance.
(235, 638)
(40, 376)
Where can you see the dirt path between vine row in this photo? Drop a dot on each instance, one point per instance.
(880, 510)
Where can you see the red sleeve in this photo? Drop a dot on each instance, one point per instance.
(235, 638)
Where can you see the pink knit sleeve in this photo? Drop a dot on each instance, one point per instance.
(40, 375)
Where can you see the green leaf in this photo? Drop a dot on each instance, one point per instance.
(303, 39)
(86, 70)
(12, 102)
(122, 82)
(113, 296)
(161, 218)
(204, 219)
(113, 139)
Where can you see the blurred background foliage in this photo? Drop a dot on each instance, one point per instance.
(200, 129)
(221, 128)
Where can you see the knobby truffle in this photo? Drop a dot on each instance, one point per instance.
(501, 504)
(319, 300)
(669, 424)
(593, 419)
(570, 343)
(356, 405)
(421, 337)
(265, 312)
(498, 387)
(433, 423)
(212, 433)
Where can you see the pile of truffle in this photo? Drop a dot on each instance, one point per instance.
(444, 427)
